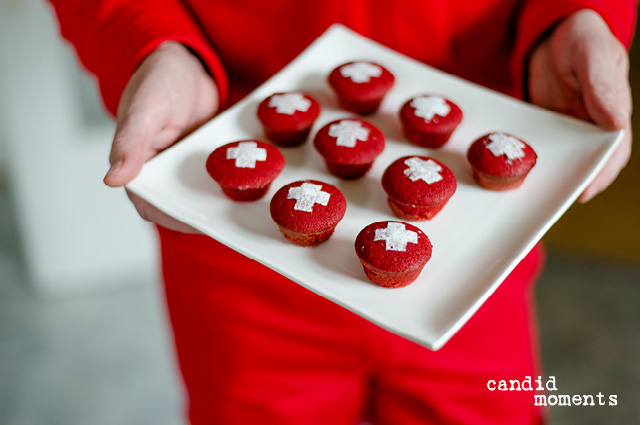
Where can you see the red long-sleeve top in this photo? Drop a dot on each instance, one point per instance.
(243, 42)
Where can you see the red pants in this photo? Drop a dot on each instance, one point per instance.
(255, 348)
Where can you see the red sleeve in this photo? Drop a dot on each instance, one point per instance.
(538, 16)
(112, 37)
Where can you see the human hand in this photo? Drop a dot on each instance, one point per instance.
(581, 69)
(168, 96)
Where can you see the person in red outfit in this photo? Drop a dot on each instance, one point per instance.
(254, 347)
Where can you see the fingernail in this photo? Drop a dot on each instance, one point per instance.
(588, 194)
(619, 119)
(115, 167)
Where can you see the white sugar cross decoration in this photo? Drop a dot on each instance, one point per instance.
(246, 154)
(428, 171)
(428, 107)
(396, 236)
(348, 133)
(503, 144)
(289, 103)
(360, 72)
(307, 195)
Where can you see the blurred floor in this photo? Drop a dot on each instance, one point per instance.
(589, 317)
(104, 358)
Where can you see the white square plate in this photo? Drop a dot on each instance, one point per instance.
(479, 236)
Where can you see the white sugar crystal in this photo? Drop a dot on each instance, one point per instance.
(428, 107)
(396, 236)
(348, 133)
(307, 195)
(428, 171)
(360, 72)
(503, 144)
(289, 103)
(246, 154)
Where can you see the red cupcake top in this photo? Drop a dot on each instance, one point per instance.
(431, 114)
(288, 111)
(361, 80)
(393, 246)
(245, 164)
(501, 154)
(349, 141)
(308, 206)
(419, 181)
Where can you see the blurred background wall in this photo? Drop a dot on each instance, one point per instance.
(83, 334)
(608, 227)
(73, 232)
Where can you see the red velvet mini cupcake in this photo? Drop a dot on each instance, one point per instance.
(429, 120)
(307, 212)
(500, 161)
(360, 86)
(349, 146)
(392, 253)
(418, 187)
(245, 169)
(288, 117)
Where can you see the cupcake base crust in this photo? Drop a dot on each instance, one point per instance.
(245, 195)
(390, 279)
(362, 107)
(499, 183)
(287, 139)
(413, 212)
(306, 239)
(348, 171)
(426, 140)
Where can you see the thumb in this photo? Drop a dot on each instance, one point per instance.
(129, 149)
